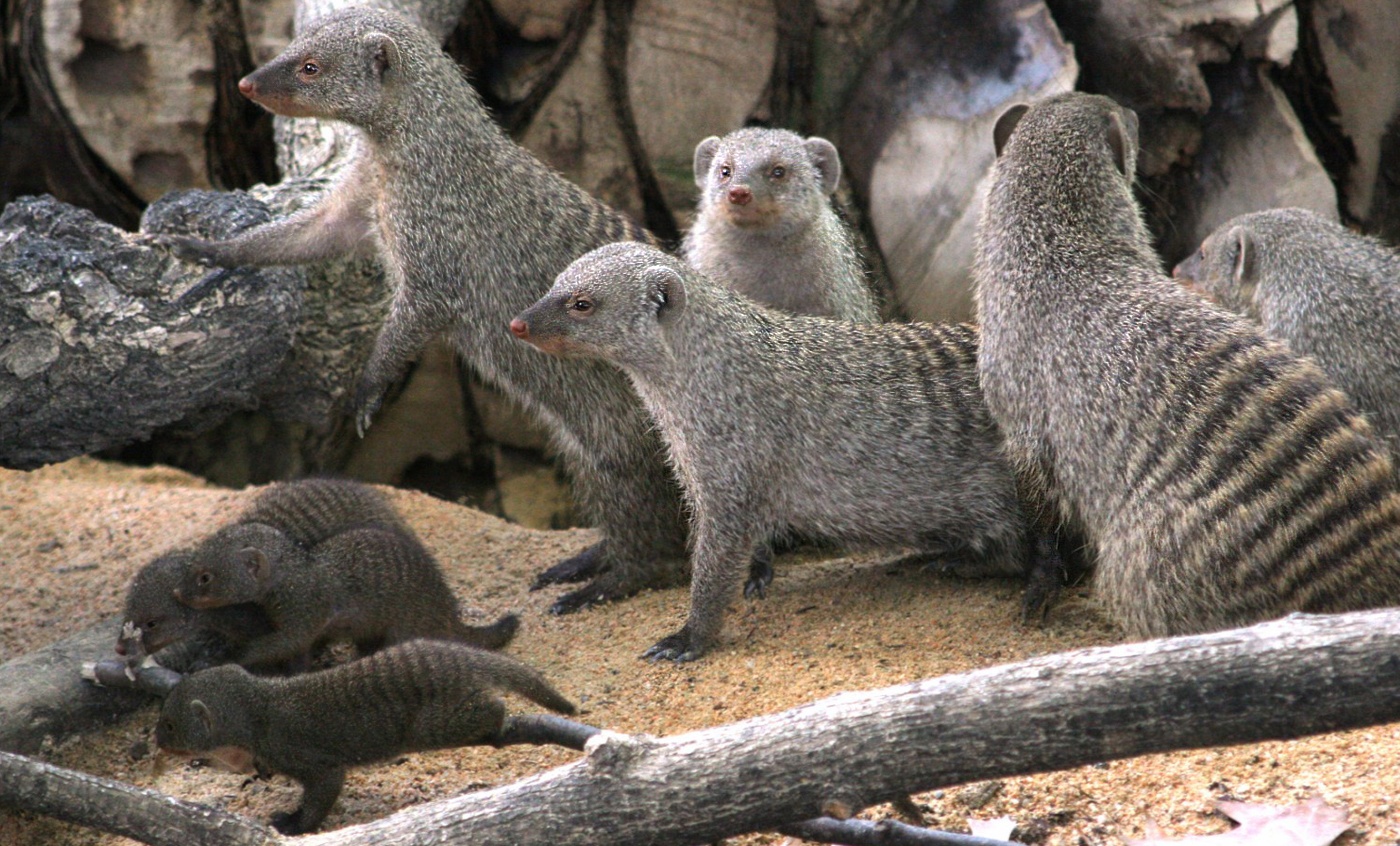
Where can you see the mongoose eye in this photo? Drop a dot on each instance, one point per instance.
(310, 69)
(725, 172)
(151, 625)
(205, 578)
(581, 304)
(778, 172)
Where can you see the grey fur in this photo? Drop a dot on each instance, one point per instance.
(413, 697)
(1330, 293)
(781, 244)
(471, 228)
(1220, 478)
(860, 434)
(373, 586)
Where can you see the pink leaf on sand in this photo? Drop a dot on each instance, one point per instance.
(1310, 823)
(997, 829)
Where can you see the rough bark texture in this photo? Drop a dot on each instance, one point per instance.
(106, 340)
(1293, 677)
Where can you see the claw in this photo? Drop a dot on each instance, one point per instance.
(760, 574)
(576, 568)
(674, 647)
(577, 600)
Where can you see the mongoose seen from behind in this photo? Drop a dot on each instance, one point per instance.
(372, 586)
(1330, 293)
(766, 229)
(860, 434)
(412, 697)
(470, 228)
(1219, 477)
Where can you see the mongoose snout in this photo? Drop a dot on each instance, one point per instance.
(248, 88)
(740, 196)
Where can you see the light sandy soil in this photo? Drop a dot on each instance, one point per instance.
(72, 535)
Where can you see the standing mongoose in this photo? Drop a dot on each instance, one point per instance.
(766, 229)
(470, 228)
(412, 697)
(154, 619)
(372, 586)
(858, 434)
(1330, 293)
(1220, 479)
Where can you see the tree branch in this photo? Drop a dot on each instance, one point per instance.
(882, 833)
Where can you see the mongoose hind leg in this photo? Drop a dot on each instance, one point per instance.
(585, 565)
(319, 792)
(760, 573)
(1044, 577)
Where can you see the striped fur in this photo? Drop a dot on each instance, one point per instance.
(311, 510)
(1221, 479)
(860, 434)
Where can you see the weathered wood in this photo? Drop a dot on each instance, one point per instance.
(102, 340)
(111, 806)
(882, 833)
(1284, 679)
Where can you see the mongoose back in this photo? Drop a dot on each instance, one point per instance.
(765, 226)
(155, 619)
(311, 510)
(470, 228)
(412, 697)
(859, 434)
(372, 586)
(1330, 293)
(1219, 477)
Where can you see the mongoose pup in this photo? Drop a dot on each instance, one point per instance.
(371, 586)
(412, 697)
(858, 434)
(1219, 477)
(470, 228)
(765, 226)
(154, 619)
(1330, 293)
(311, 510)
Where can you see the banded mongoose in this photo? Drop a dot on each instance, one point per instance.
(412, 697)
(1219, 477)
(371, 586)
(766, 229)
(470, 228)
(1330, 293)
(858, 434)
(154, 619)
(311, 510)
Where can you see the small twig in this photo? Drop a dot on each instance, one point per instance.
(114, 672)
(882, 833)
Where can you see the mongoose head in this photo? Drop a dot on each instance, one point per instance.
(768, 179)
(613, 303)
(235, 564)
(205, 715)
(344, 67)
(1080, 121)
(1240, 257)
(154, 618)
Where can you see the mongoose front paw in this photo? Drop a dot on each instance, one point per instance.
(575, 568)
(368, 398)
(679, 647)
(290, 823)
(585, 597)
(186, 247)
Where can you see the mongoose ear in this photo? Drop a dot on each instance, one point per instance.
(381, 52)
(667, 292)
(1120, 141)
(827, 161)
(1244, 260)
(201, 713)
(704, 156)
(256, 562)
(1001, 133)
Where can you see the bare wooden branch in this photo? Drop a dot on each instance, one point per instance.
(882, 833)
(110, 806)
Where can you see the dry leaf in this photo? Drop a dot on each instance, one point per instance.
(997, 829)
(1310, 823)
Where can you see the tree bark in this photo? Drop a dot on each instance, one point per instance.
(1284, 679)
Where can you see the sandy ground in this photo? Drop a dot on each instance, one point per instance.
(72, 535)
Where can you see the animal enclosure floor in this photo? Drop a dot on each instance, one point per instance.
(72, 535)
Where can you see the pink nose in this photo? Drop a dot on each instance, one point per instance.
(246, 87)
(740, 196)
(520, 329)
(121, 647)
